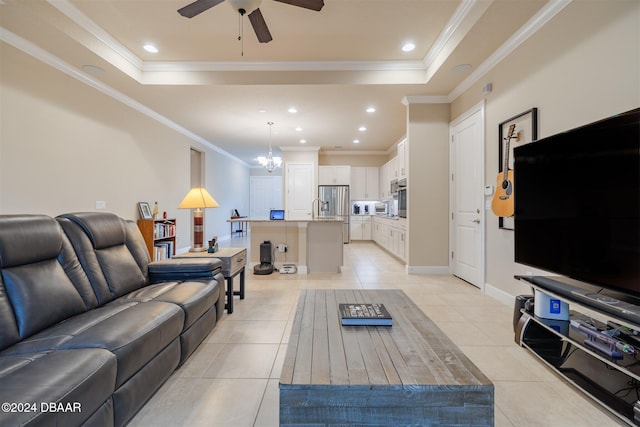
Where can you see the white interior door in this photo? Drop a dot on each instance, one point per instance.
(265, 194)
(467, 197)
(299, 191)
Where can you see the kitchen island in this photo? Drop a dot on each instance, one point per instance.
(313, 245)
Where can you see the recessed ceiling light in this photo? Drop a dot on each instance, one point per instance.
(356, 141)
(292, 110)
(462, 68)
(150, 48)
(371, 110)
(362, 128)
(408, 47)
(299, 129)
(94, 69)
(303, 141)
(262, 110)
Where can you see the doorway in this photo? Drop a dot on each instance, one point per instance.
(467, 231)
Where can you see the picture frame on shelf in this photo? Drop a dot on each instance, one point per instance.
(145, 210)
(526, 126)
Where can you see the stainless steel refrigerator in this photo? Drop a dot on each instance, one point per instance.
(335, 202)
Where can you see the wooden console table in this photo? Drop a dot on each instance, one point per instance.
(408, 374)
(234, 261)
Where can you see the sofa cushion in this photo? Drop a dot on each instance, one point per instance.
(80, 380)
(35, 291)
(110, 266)
(103, 229)
(134, 332)
(26, 239)
(41, 295)
(194, 297)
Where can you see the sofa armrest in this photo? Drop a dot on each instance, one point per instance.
(183, 269)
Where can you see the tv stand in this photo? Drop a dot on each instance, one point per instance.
(584, 349)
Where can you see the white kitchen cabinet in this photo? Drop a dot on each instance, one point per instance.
(360, 227)
(365, 183)
(334, 175)
(402, 160)
(355, 228)
(384, 182)
(366, 228)
(391, 235)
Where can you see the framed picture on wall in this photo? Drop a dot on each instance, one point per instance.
(145, 210)
(518, 130)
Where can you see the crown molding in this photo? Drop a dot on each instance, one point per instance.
(60, 65)
(191, 66)
(294, 148)
(423, 99)
(532, 26)
(73, 13)
(354, 153)
(450, 29)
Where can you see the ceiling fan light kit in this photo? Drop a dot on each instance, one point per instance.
(250, 7)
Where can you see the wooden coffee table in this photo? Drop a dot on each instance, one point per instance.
(408, 374)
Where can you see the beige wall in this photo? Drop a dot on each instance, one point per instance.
(361, 160)
(581, 67)
(427, 190)
(65, 145)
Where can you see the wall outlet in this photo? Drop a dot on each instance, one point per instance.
(101, 204)
(282, 247)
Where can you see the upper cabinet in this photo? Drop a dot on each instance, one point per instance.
(334, 175)
(365, 183)
(401, 160)
(384, 182)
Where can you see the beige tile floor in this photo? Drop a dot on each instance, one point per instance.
(232, 378)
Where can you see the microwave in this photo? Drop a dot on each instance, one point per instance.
(381, 208)
(394, 187)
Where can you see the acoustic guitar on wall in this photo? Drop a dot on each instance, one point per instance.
(502, 204)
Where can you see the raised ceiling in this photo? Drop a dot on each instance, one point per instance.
(330, 65)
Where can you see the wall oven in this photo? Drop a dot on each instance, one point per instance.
(402, 202)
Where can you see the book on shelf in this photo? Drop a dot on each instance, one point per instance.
(163, 250)
(164, 229)
(373, 314)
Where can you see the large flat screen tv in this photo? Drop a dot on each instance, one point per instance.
(577, 204)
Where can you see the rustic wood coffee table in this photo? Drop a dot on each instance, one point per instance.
(408, 374)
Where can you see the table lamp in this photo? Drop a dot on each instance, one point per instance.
(198, 198)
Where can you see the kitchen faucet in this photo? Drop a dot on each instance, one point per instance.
(323, 205)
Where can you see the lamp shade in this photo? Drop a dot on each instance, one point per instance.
(198, 198)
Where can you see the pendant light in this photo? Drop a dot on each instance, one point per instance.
(270, 163)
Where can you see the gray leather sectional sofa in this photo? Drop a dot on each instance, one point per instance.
(89, 327)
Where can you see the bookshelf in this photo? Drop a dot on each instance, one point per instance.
(159, 236)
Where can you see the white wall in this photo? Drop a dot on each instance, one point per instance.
(65, 145)
(582, 66)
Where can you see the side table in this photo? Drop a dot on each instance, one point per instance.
(234, 261)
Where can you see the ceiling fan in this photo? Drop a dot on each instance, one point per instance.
(252, 8)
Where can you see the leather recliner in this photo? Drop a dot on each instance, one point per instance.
(87, 321)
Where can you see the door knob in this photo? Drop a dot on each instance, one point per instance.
(477, 221)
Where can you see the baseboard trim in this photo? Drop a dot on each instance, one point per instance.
(438, 270)
(498, 294)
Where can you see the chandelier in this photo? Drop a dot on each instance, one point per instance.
(270, 162)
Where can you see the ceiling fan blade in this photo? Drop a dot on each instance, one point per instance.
(260, 26)
(197, 7)
(307, 4)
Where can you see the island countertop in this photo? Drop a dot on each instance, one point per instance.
(314, 245)
(266, 220)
